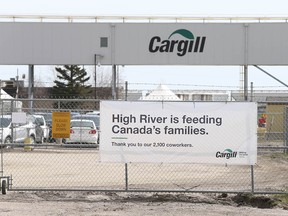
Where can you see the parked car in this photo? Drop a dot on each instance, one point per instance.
(41, 121)
(82, 131)
(94, 112)
(47, 115)
(94, 117)
(48, 119)
(5, 130)
(15, 132)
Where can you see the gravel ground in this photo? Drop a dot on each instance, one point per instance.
(128, 204)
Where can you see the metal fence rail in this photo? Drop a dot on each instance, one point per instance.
(58, 166)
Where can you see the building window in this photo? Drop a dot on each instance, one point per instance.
(202, 97)
(103, 42)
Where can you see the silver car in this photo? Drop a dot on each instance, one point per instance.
(82, 131)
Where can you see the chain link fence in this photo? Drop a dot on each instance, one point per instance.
(55, 165)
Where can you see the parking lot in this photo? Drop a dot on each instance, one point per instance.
(63, 167)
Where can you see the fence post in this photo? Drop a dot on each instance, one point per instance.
(126, 177)
(252, 179)
(2, 142)
(252, 167)
(286, 129)
(126, 166)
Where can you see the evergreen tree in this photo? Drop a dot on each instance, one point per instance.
(70, 84)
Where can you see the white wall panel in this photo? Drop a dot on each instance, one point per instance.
(51, 43)
(128, 43)
(268, 44)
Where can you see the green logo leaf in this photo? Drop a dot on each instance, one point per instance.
(185, 33)
(228, 150)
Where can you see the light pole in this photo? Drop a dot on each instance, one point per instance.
(31, 87)
(95, 74)
(17, 85)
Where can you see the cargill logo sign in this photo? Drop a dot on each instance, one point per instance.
(227, 153)
(189, 43)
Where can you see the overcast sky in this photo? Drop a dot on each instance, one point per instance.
(145, 7)
(176, 77)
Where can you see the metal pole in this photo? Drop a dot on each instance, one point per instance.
(126, 165)
(286, 130)
(17, 85)
(117, 81)
(31, 87)
(271, 75)
(95, 75)
(252, 167)
(252, 179)
(246, 63)
(251, 92)
(2, 159)
(126, 176)
(126, 90)
(114, 82)
(245, 83)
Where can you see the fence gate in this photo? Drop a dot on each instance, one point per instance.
(56, 165)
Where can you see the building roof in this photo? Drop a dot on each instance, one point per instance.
(162, 92)
(4, 95)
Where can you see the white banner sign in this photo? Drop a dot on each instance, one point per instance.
(178, 132)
